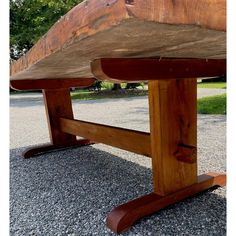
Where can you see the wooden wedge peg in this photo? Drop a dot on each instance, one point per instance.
(186, 153)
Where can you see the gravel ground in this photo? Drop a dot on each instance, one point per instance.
(71, 192)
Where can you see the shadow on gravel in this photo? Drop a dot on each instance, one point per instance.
(70, 193)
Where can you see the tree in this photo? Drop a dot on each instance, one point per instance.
(132, 85)
(116, 87)
(31, 19)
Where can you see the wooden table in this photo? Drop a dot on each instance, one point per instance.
(167, 43)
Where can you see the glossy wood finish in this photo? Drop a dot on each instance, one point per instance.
(133, 29)
(51, 83)
(124, 216)
(119, 28)
(58, 104)
(143, 69)
(130, 140)
(186, 153)
(173, 122)
(42, 149)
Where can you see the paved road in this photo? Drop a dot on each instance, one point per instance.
(71, 192)
(209, 92)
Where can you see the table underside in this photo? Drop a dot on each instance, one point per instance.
(131, 39)
(125, 29)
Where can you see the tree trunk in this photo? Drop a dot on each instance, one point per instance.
(132, 85)
(116, 87)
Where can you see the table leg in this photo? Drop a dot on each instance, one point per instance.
(173, 130)
(173, 124)
(58, 105)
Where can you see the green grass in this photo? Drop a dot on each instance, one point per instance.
(220, 85)
(212, 105)
(83, 95)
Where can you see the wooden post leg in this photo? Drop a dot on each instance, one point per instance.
(173, 126)
(58, 105)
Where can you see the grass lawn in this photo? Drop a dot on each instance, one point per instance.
(220, 85)
(212, 105)
(82, 95)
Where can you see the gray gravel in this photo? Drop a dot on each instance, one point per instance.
(71, 192)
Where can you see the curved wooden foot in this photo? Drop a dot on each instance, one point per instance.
(37, 150)
(124, 216)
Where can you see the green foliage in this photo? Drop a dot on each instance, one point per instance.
(31, 19)
(96, 86)
(121, 93)
(110, 86)
(107, 85)
(83, 95)
(212, 105)
(221, 85)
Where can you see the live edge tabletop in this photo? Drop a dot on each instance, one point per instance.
(125, 28)
(169, 44)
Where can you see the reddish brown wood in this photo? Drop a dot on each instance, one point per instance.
(124, 216)
(136, 29)
(186, 154)
(118, 28)
(42, 149)
(58, 104)
(29, 84)
(143, 69)
(208, 13)
(173, 122)
(130, 140)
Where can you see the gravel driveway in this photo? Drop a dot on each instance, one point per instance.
(71, 192)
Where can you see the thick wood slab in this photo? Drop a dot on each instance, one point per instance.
(119, 28)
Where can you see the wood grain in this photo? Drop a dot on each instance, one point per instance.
(58, 104)
(130, 140)
(118, 28)
(51, 83)
(173, 122)
(124, 216)
(204, 13)
(186, 153)
(143, 69)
